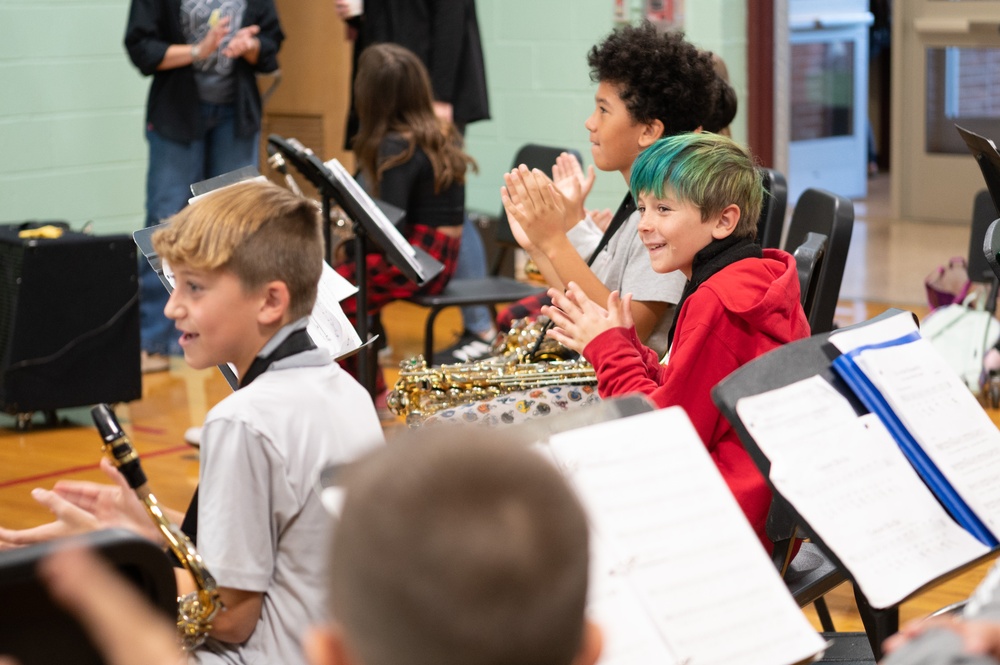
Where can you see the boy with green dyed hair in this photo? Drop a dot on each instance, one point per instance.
(699, 197)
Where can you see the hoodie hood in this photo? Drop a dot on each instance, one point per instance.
(764, 293)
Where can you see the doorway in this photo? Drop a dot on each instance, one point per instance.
(828, 96)
(946, 71)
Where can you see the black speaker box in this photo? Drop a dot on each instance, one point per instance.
(69, 321)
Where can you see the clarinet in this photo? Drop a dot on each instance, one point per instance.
(195, 610)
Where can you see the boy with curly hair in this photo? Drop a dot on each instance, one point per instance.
(649, 85)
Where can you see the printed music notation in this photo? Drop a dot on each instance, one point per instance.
(328, 326)
(850, 482)
(673, 546)
(939, 418)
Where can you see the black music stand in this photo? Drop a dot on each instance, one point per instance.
(527, 434)
(370, 221)
(784, 366)
(224, 180)
(38, 631)
(985, 152)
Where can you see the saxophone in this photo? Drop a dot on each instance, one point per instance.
(521, 359)
(195, 610)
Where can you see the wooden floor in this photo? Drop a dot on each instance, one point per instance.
(886, 264)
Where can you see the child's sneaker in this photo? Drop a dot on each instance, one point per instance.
(469, 348)
(153, 362)
(192, 437)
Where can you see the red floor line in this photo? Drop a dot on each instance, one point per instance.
(87, 467)
(147, 430)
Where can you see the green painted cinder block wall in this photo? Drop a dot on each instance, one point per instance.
(71, 106)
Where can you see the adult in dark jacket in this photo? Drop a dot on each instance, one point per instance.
(445, 36)
(202, 116)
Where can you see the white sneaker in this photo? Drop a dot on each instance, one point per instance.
(469, 347)
(153, 362)
(192, 436)
(472, 351)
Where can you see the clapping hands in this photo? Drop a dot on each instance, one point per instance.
(80, 506)
(534, 207)
(578, 320)
(243, 43)
(569, 179)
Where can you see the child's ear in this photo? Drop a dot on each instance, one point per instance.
(324, 645)
(726, 222)
(651, 132)
(593, 644)
(275, 303)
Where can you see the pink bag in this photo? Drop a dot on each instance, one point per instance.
(948, 284)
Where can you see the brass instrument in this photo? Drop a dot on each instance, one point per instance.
(195, 610)
(522, 359)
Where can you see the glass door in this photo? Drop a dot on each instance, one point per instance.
(828, 92)
(946, 70)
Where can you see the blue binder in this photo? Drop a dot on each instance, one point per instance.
(846, 367)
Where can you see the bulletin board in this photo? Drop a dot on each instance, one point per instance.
(665, 14)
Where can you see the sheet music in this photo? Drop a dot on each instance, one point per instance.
(328, 326)
(851, 483)
(680, 544)
(630, 636)
(390, 231)
(938, 410)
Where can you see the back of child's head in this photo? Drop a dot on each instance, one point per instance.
(463, 549)
(392, 93)
(706, 170)
(258, 231)
(722, 114)
(660, 76)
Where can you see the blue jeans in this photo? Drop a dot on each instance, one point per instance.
(173, 167)
(472, 264)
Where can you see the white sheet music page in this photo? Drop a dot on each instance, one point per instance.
(850, 482)
(358, 192)
(678, 540)
(328, 326)
(937, 409)
(629, 635)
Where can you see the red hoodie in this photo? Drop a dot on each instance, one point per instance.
(741, 312)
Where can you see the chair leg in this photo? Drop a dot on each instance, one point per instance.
(429, 335)
(823, 612)
(879, 624)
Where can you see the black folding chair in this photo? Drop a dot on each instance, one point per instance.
(772, 213)
(983, 214)
(832, 216)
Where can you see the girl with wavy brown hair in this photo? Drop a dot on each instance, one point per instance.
(410, 158)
